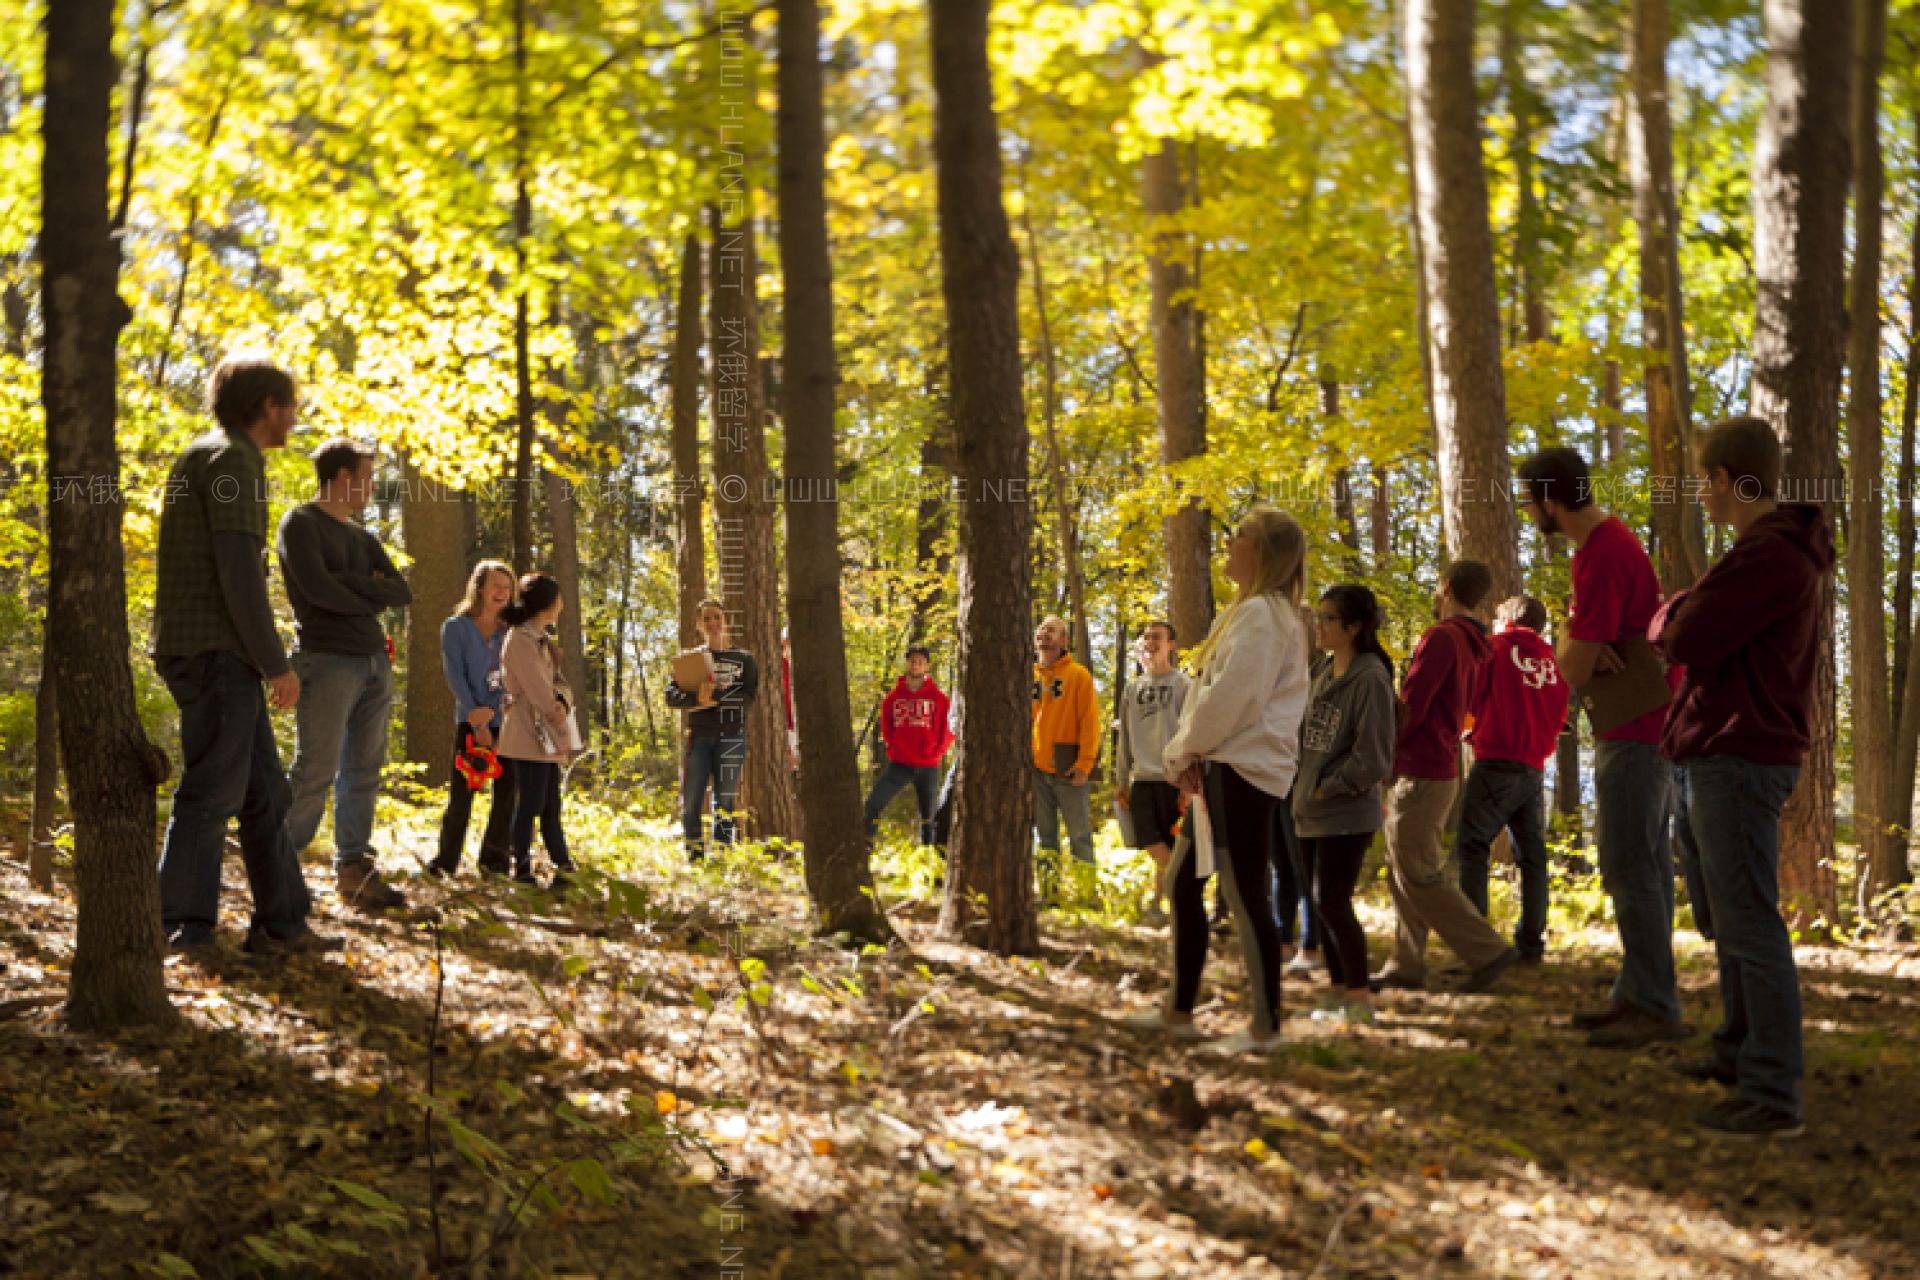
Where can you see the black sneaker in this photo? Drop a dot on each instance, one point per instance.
(1635, 1030)
(306, 942)
(1388, 980)
(1707, 1069)
(1746, 1121)
(1488, 976)
(526, 877)
(1605, 1016)
(1533, 959)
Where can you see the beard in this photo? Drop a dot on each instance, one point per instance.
(1546, 522)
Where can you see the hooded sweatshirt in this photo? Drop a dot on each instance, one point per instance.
(1066, 717)
(913, 723)
(1149, 713)
(1346, 749)
(1522, 703)
(1436, 695)
(1244, 709)
(1747, 633)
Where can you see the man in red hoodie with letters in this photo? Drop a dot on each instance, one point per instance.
(915, 728)
(1435, 696)
(1748, 635)
(1517, 716)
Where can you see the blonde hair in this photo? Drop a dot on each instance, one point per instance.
(1279, 569)
(477, 585)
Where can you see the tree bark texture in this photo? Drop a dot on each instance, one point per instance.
(433, 521)
(689, 478)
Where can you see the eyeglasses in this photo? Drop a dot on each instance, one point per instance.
(1332, 619)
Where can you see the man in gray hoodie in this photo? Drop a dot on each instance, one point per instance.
(1149, 712)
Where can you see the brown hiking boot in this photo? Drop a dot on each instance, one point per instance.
(361, 887)
(306, 942)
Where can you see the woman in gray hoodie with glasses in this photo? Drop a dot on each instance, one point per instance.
(1346, 753)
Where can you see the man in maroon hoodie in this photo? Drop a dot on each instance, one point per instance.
(1615, 593)
(1517, 716)
(915, 728)
(1748, 634)
(1436, 694)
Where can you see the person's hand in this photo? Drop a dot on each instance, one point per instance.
(1609, 662)
(480, 717)
(1124, 800)
(482, 736)
(1191, 779)
(706, 693)
(1076, 776)
(283, 690)
(558, 716)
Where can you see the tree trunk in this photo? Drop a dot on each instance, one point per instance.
(1522, 104)
(1800, 173)
(1380, 522)
(1346, 520)
(433, 524)
(689, 486)
(1065, 516)
(45, 815)
(839, 875)
(1679, 546)
(1469, 391)
(522, 319)
(1874, 820)
(743, 517)
(991, 856)
(931, 559)
(111, 768)
(563, 523)
(1183, 432)
(1906, 686)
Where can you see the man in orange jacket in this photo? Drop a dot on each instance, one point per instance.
(1066, 743)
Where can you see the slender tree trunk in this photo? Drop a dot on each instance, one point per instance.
(1800, 175)
(522, 318)
(46, 768)
(1469, 390)
(991, 856)
(1346, 520)
(689, 487)
(1380, 521)
(563, 523)
(1065, 514)
(839, 876)
(743, 517)
(1906, 681)
(111, 768)
(1183, 432)
(1522, 105)
(932, 560)
(1680, 550)
(433, 524)
(1883, 854)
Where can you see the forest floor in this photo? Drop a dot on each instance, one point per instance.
(662, 1075)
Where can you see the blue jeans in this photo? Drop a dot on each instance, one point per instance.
(1506, 794)
(1632, 787)
(1055, 798)
(894, 779)
(230, 768)
(1292, 905)
(715, 760)
(1689, 850)
(340, 741)
(1735, 809)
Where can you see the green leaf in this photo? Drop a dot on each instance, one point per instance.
(575, 965)
(590, 1177)
(367, 1195)
(510, 1091)
(701, 998)
(168, 1264)
(268, 1254)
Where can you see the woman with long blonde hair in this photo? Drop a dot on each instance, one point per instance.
(1238, 742)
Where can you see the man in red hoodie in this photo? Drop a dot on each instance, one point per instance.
(915, 728)
(1748, 635)
(1517, 716)
(1441, 679)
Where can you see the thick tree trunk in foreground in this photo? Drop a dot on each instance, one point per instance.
(1463, 305)
(1800, 174)
(1883, 853)
(1679, 547)
(111, 768)
(839, 875)
(992, 849)
(433, 522)
(1177, 383)
(689, 478)
(743, 518)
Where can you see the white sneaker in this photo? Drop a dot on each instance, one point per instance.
(1301, 966)
(1357, 1014)
(1245, 1043)
(1154, 1022)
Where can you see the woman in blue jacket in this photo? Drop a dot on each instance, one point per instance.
(470, 655)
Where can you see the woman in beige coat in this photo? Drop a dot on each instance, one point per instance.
(536, 735)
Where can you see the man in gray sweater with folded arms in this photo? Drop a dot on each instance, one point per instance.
(339, 580)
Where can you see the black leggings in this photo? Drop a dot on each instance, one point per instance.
(1244, 822)
(1333, 869)
(536, 794)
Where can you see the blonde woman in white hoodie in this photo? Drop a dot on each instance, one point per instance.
(1239, 739)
